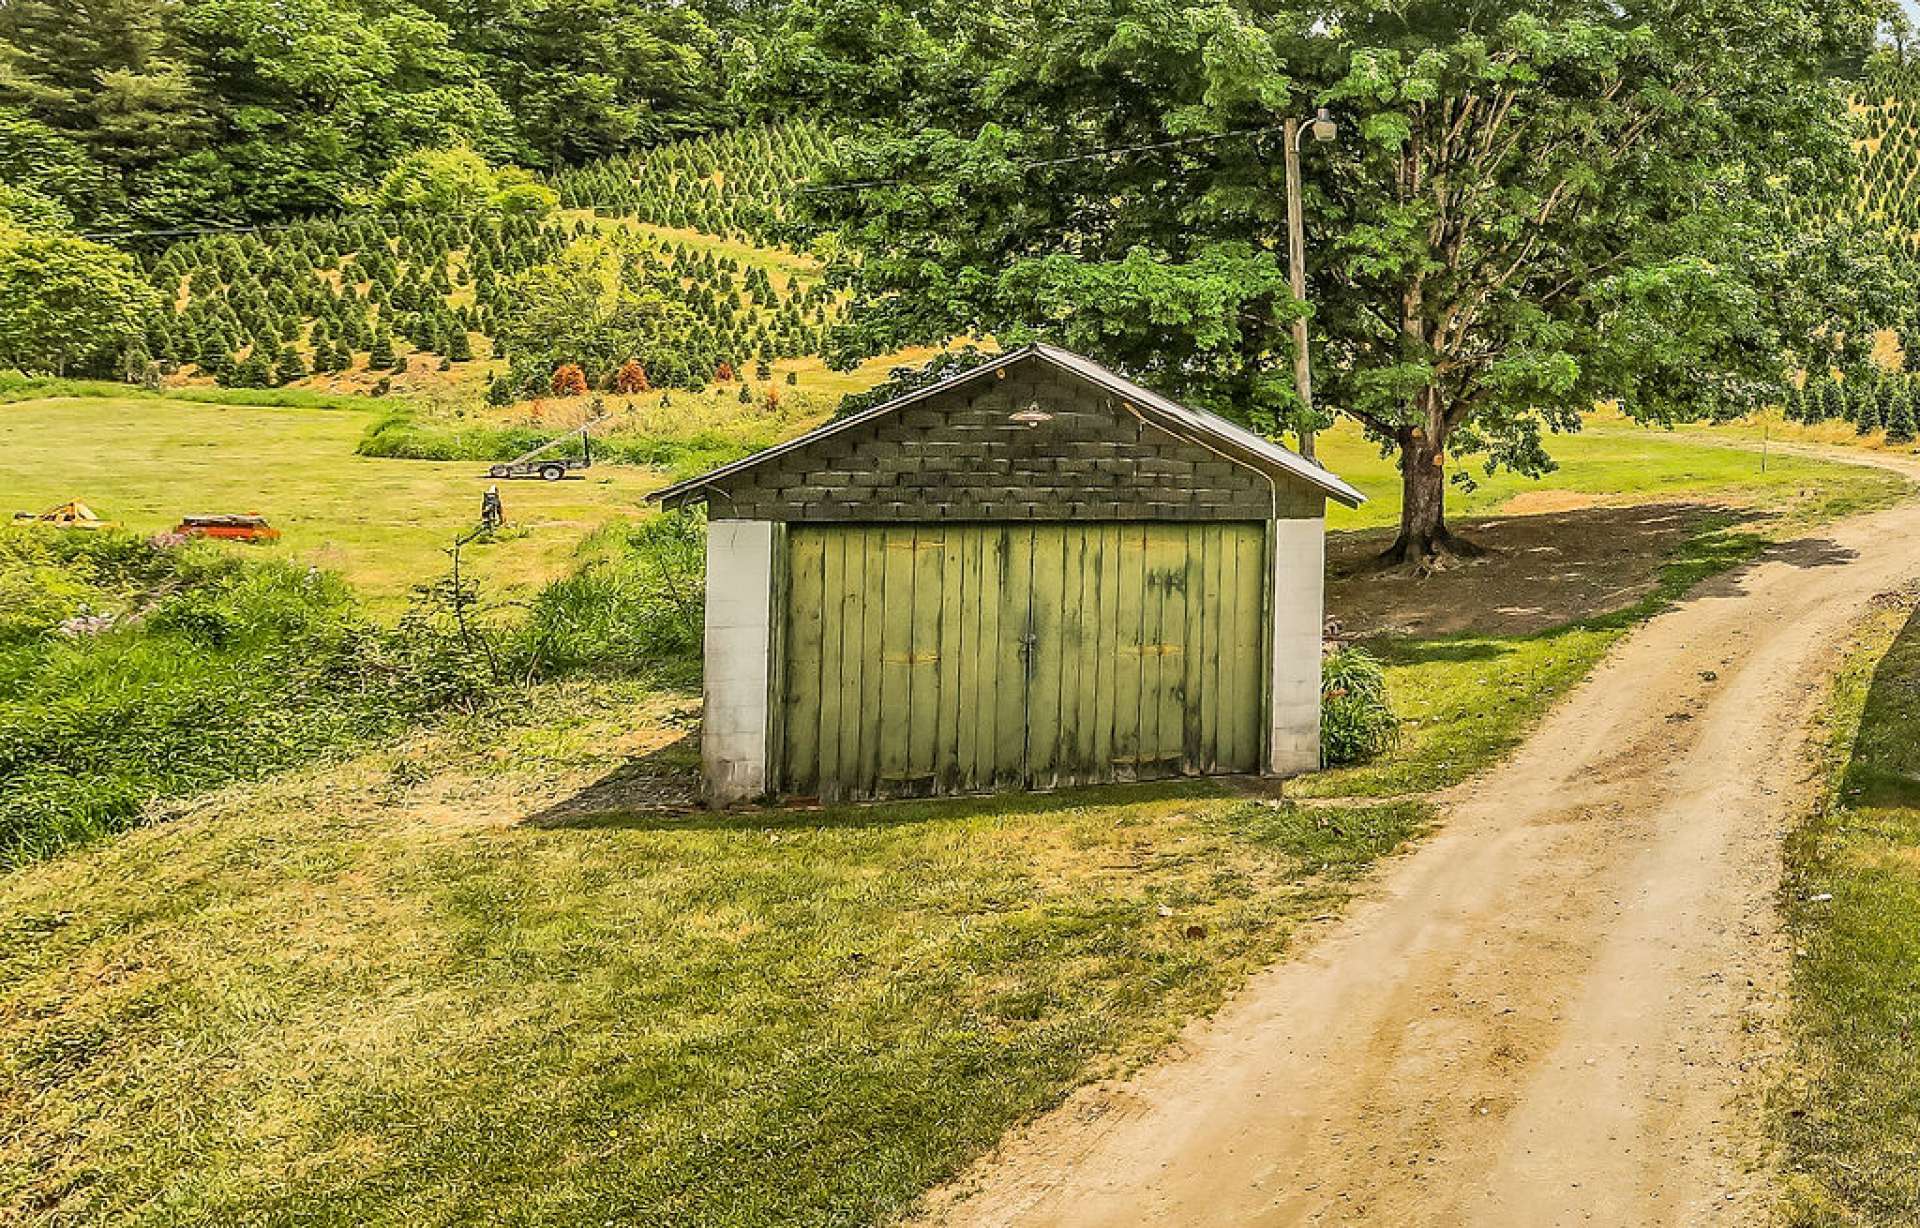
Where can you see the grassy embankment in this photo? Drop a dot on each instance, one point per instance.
(1849, 1114)
(474, 978)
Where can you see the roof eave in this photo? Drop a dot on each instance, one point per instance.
(1268, 457)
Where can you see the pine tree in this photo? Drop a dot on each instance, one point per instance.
(382, 355)
(460, 346)
(290, 366)
(1900, 421)
(255, 371)
(1866, 407)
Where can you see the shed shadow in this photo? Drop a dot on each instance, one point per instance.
(662, 781)
(620, 801)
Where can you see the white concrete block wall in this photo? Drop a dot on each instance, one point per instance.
(739, 642)
(1299, 604)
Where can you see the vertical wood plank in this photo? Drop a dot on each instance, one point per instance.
(873, 659)
(1046, 622)
(923, 705)
(1015, 548)
(1130, 637)
(1249, 569)
(1170, 654)
(1193, 692)
(1210, 673)
(954, 596)
(896, 688)
(834, 595)
(854, 723)
(1107, 670)
(983, 662)
(1229, 612)
(1087, 762)
(805, 553)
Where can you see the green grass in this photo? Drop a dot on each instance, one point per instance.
(390, 991)
(383, 524)
(377, 995)
(1849, 1114)
(16, 387)
(1615, 461)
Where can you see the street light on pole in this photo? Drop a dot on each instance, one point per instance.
(1323, 129)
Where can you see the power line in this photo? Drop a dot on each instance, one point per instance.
(1091, 155)
(1086, 156)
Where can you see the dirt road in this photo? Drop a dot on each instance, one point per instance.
(1546, 1014)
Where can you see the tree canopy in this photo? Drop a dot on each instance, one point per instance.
(591, 307)
(157, 112)
(1529, 208)
(66, 304)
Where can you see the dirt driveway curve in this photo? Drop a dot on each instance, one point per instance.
(1544, 1015)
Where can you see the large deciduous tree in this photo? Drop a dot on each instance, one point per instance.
(593, 306)
(1531, 206)
(66, 304)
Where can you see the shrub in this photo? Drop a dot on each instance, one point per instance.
(631, 378)
(634, 605)
(1356, 721)
(569, 380)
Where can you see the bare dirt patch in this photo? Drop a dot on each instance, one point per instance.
(1541, 502)
(1540, 571)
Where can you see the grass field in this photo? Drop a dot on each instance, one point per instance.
(1611, 460)
(478, 977)
(1850, 1116)
(383, 524)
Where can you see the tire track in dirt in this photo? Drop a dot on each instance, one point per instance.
(1548, 1013)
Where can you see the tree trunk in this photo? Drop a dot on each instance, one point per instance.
(1424, 537)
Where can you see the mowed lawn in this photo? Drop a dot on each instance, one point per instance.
(385, 524)
(445, 985)
(1611, 460)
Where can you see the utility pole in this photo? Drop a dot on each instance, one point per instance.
(1297, 272)
(1323, 129)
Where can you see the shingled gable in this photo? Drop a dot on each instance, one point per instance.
(1106, 449)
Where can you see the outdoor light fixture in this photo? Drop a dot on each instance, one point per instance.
(1031, 416)
(1324, 129)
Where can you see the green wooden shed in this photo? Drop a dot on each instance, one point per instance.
(1035, 573)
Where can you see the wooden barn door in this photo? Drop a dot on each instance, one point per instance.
(923, 659)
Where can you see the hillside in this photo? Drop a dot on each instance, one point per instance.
(363, 301)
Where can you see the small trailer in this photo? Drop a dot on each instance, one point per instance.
(537, 464)
(252, 527)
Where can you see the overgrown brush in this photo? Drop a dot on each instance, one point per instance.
(133, 671)
(1356, 721)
